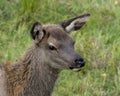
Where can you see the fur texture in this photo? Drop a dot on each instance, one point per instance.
(52, 51)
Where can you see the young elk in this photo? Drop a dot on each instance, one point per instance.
(52, 51)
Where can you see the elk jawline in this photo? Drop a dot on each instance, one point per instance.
(76, 69)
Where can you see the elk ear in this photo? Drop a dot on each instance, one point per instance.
(37, 32)
(75, 23)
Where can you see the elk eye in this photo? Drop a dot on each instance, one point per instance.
(51, 47)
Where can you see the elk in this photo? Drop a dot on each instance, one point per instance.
(52, 51)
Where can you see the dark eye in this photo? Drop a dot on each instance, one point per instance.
(52, 47)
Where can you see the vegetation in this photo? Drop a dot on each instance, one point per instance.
(98, 42)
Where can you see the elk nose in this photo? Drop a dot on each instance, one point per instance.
(80, 62)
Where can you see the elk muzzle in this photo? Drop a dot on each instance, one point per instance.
(78, 64)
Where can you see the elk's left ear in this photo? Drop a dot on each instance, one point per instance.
(37, 32)
(75, 23)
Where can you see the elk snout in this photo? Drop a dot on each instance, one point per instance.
(78, 64)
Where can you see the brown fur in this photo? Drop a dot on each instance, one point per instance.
(3, 91)
(31, 75)
(24, 75)
(35, 74)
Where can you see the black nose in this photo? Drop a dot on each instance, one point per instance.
(80, 62)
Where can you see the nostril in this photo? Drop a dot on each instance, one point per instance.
(80, 62)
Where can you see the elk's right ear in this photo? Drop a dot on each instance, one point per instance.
(75, 23)
(37, 32)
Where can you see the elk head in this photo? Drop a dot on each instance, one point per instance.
(57, 45)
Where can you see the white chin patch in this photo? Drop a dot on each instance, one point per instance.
(76, 69)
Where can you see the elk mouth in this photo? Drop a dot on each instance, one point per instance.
(77, 69)
(77, 66)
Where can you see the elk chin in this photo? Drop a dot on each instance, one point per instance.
(77, 69)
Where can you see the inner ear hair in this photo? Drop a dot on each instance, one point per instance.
(33, 31)
(75, 23)
(37, 32)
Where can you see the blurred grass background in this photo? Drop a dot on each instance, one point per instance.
(98, 41)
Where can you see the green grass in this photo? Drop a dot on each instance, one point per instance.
(98, 42)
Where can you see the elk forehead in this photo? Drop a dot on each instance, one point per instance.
(57, 34)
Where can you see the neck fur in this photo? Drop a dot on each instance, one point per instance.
(33, 76)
